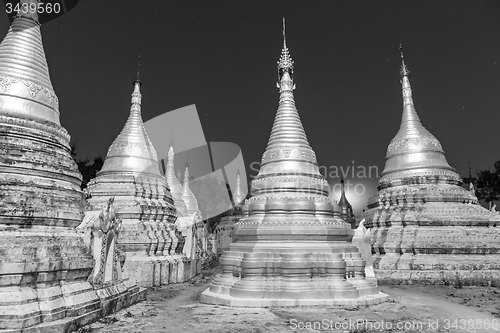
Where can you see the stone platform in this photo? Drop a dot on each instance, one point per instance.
(215, 298)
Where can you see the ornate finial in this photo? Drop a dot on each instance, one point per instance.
(404, 70)
(186, 173)
(137, 78)
(284, 35)
(26, 11)
(470, 175)
(285, 64)
(172, 139)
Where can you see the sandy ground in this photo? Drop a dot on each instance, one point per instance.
(176, 308)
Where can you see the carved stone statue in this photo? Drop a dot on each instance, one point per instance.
(105, 231)
(362, 239)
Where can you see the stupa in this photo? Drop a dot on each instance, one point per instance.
(173, 182)
(189, 216)
(46, 259)
(143, 201)
(224, 230)
(426, 228)
(290, 250)
(346, 212)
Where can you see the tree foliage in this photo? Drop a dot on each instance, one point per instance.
(488, 184)
(87, 169)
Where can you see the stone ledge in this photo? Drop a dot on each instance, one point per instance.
(209, 297)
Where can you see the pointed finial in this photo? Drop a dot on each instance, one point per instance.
(172, 139)
(470, 174)
(285, 64)
(284, 35)
(137, 78)
(28, 13)
(404, 70)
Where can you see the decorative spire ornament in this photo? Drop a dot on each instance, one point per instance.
(238, 196)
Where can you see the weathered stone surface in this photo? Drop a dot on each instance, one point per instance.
(44, 259)
(45, 243)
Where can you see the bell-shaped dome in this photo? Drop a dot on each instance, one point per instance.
(132, 151)
(414, 151)
(25, 87)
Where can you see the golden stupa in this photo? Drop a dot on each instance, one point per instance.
(288, 248)
(426, 228)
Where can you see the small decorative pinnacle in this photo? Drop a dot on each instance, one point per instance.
(172, 140)
(404, 70)
(28, 13)
(137, 78)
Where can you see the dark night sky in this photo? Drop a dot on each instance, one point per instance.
(222, 57)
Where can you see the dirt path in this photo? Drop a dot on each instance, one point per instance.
(176, 308)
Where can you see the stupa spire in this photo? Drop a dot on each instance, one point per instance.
(288, 149)
(137, 76)
(25, 86)
(132, 151)
(343, 200)
(414, 149)
(187, 194)
(172, 179)
(238, 195)
(173, 182)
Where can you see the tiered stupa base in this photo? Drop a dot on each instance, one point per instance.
(52, 293)
(273, 264)
(161, 270)
(302, 275)
(152, 249)
(437, 243)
